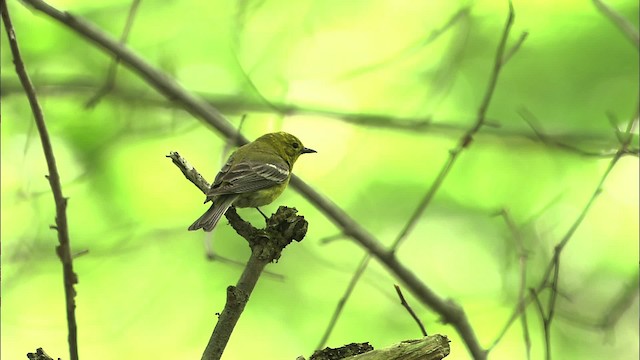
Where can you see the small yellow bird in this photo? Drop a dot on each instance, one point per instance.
(255, 175)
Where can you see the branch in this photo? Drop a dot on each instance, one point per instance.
(239, 104)
(406, 305)
(266, 246)
(63, 249)
(435, 347)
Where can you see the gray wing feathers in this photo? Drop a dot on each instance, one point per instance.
(247, 177)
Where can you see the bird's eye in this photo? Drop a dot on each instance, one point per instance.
(295, 145)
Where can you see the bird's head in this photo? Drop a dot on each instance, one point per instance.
(286, 145)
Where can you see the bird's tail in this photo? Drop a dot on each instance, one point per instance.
(209, 219)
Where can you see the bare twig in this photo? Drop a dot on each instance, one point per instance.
(533, 122)
(113, 67)
(331, 238)
(406, 305)
(546, 323)
(614, 125)
(189, 171)
(521, 301)
(63, 249)
(515, 47)
(461, 15)
(343, 301)
(622, 23)
(619, 304)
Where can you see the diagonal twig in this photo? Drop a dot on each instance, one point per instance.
(113, 67)
(522, 259)
(623, 24)
(406, 305)
(343, 300)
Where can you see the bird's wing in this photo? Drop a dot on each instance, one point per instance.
(248, 176)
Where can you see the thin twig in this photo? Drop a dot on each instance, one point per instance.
(225, 260)
(613, 121)
(460, 15)
(113, 67)
(406, 305)
(331, 238)
(63, 249)
(343, 301)
(522, 259)
(533, 123)
(622, 23)
(545, 323)
(619, 304)
(515, 47)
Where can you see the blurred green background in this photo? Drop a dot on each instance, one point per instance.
(354, 80)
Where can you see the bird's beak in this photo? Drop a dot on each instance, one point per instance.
(307, 151)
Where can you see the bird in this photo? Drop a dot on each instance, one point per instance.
(253, 176)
